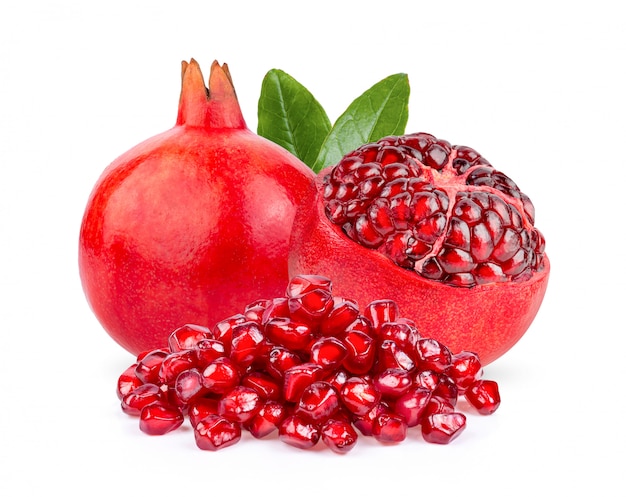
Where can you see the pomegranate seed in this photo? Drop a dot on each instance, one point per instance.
(134, 401)
(207, 351)
(189, 385)
(412, 405)
(473, 227)
(288, 333)
(169, 397)
(201, 408)
(438, 405)
(143, 354)
(343, 313)
(186, 337)
(365, 423)
(254, 311)
(247, 343)
(359, 395)
(267, 419)
(427, 379)
(263, 384)
(319, 401)
(361, 352)
(393, 383)
(442, 428)
(297, 378)
(446, 389)
(391, 356)
(339, 435)
(215, 432)
(159, 419)
(127, 382)
(223, 331)
(433, 355)
(299, 433)
(240, 404)
(322, 376)
(311, 306)
(174, 364)
(220, 376)
(389, 427)
(362, 324)
(306, 283)
(402, 333)
(279, 360)
(465, 369)
(381, 311)
(484, 395)
(277, 308)
(148, 367)
(328, 352)
(337, 378)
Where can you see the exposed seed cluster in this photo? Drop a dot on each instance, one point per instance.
(441, 210)
(310, 366)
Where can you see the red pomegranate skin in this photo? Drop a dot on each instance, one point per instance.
(192, 224)
(486, 319)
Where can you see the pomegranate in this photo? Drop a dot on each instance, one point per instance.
(192, 223)
(306, 394)
(435, 228)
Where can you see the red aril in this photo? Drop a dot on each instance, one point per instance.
(318, 402)
(392, 356)
(484, 395)
(267, 419)
(365, 422)
(298, 377)
(339, 435)
(359, 395)
(189, 385)
(134, 401)
(159, 419)
(220, 376)
(435, 229)
(192, 224)
(127, 381)
(263, 384)
(215, 432)
(412, 404)
(465, 369)
(442, 428)
(148, 367)
(307, 393)
(280, 359)
(176, 363)
(200, 408)
(240, 404)
(298, 432)
(208, 350)
(389, 427)
(187, 337)
(393, 382)
(328, 352)
(361, 351)
(247, 344)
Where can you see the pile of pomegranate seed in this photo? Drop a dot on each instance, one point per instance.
(440, 210)
(310, 366)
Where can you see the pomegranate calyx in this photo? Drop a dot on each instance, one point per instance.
(215, 107)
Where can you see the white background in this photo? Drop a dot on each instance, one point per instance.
(537, 87)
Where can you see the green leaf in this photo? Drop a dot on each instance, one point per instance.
(290, 116)
(381, 111)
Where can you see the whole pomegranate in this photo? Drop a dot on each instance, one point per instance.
(434, 227)
(189, 225)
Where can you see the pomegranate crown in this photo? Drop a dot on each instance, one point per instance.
(213, 107)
